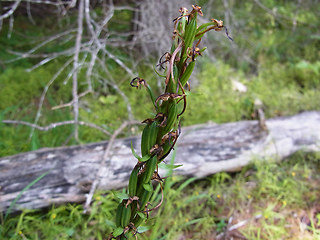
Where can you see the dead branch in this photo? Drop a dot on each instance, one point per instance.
(75, 69)
(11, 10)
(203, 150)
(29, 54)
(69, 104)
(48, 2)
(89, 50)
(57, 124)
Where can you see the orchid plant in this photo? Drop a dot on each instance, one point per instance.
(161, 132)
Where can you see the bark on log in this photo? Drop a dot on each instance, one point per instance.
(202, 149)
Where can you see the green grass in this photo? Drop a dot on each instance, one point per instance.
(213, 98)
(282, 193)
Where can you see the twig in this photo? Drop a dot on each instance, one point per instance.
(121, 8)
(119, 62)
(72, 3)
(75, 67)
(29, 13)
(237, 225)
(50, 56)
(50, 39)
(42, 62)
(11, 21)
(57, 124)
(95, 49)
(11, 11)
(244, 222)
(227, 14)
(105, 156)
(55, 3)
(69, 104)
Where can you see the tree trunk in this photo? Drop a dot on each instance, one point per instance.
(202, 149)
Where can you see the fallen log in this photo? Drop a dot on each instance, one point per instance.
(202, 149)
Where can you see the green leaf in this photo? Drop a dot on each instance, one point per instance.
(134, 153)
(70, 232)
(186, 183)
(35, 141)
(193, 221)
(142, 229)
(196, 197)
(120, 195)
(168, 166)
(118, 231)
(203, 49)
(145, 158)
(148, 187)
(110, 223)
(142, 215)
(159, 74)
(109, 100)
(204, 27)
(22, 191)
(152, 96)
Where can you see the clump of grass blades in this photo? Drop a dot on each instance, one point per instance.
(162, 131)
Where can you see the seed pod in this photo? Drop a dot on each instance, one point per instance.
(166, 146)
(145, 140)
(150, 167)
(190, 32)
(154, 129)
(132, 188)
(123, 236)
(182, 23)
(189, 36)
(187, 73)
(119, 214)
(137, 221)
(126, 215)
(172, 117)
(145, 198)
